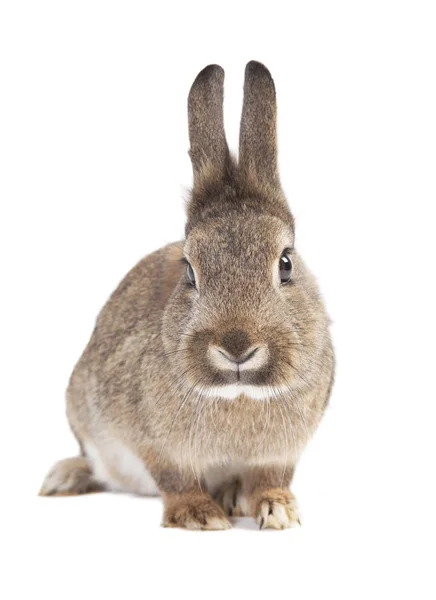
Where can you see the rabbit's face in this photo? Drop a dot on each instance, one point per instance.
(242, 319)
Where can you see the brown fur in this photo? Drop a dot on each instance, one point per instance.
(142, 376)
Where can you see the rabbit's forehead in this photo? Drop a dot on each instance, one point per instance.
(250, 238)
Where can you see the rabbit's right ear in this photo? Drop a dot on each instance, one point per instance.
(209, 151)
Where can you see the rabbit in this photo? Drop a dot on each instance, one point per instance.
(211, 365)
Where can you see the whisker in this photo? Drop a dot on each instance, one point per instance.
(201, 413)
(177, 351)
(296, 370)
(291, 428)
(295, 401)
(182, 404)
(267, 422)
(174, 385)
(191, 431)
(286, 440)
(184, 334)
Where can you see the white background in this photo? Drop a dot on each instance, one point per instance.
(93, 167)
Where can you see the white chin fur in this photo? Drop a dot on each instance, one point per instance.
(231, 392)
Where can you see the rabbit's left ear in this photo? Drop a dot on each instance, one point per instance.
(209, 151)
(258, 133)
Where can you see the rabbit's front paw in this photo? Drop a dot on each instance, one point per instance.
(276, 509)
(194, 511)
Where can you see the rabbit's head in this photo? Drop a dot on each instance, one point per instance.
(245, 317)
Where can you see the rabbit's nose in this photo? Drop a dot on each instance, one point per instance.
(252, 358)
(235, 343)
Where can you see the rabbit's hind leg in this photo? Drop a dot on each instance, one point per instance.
(70, 477)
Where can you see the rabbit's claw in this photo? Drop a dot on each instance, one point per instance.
(277, 510)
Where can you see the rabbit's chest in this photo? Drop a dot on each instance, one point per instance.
(222, 437)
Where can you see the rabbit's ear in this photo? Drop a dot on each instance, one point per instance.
(209, 151)
(258, 133)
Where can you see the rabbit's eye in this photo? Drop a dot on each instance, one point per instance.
(190, 275)
(285, 267)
